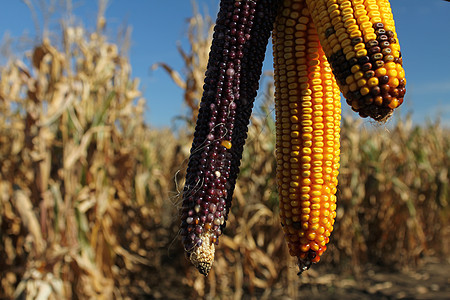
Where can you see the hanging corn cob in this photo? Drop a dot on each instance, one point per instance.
(360, 41)
(232, 78)
(307, 102)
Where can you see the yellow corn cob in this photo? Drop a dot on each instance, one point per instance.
(308, 125)
(361, 44)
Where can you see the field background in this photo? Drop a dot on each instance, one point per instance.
(89, 192)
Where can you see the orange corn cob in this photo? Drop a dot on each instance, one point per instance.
(308, 118)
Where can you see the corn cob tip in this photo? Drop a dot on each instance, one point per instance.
(381, 114)
(306, 262)
(202, 257)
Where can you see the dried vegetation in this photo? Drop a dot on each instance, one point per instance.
(88, 201)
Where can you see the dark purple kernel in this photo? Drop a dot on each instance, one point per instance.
(374, 49)
(382, 38)
(372, 43)
(375, 91)
(366, 67)
(385, 89)
(386, 51)
(209, 218)
(384, 44)
(378, 25)
(329, 31)
(198, 229)
(369, 74)
(384, 79)
(377, 56)
(353, 61)
(363, 59)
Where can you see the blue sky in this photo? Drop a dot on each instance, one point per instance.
(157, 27)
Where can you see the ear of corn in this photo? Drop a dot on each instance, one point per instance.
(360, 41)
(232, 78)
(308, 125)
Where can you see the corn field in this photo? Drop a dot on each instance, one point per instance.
(89, 204)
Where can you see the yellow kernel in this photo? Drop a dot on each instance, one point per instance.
(394, 82)
(372, 82)
(392, 73)
(358, 47)
(363, 18)
(315, 213)
(349, 55)
(314, 246)
(315, 220)
(305, 203)
(351, 29)
(349, 22)
(390, 65)
(380, 72)
(306, 210)
(347, 10)
(304, 247)
(355, 69)
(311, 236)
(361, 82)
(347, 48)
(360, 53)
(364, 91)
(355, 33)
(358, 75)
(370, 36)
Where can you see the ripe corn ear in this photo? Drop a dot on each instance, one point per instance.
(240, 38)
(361, 44)
(308, 114)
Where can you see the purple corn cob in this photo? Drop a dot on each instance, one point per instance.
(232, 79)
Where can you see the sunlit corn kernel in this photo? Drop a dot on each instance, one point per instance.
(311, 236)
(315, 206)
(314, 246)
(305, 203)
(305, 247)
(315, 213)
